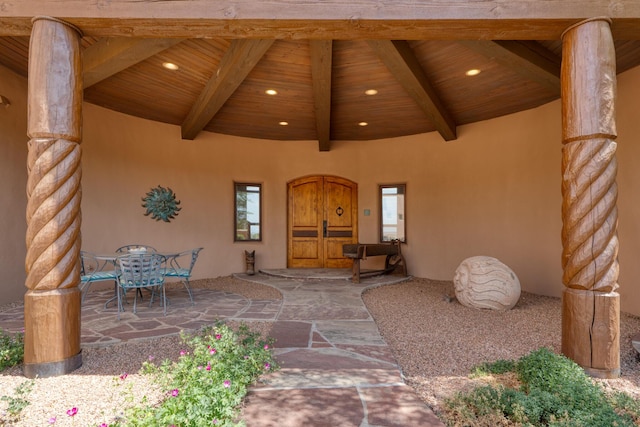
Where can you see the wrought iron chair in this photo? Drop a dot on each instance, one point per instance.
(136, 248)
(137, 271)
(177, 267)
(94, 269)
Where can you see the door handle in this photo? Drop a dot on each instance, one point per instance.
(324, 228)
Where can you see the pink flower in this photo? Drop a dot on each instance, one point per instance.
(213, 351)
(199, 368)
(266, 346)
(208, 367)
(227, 383)
(218, 336)
(175, 392)
(73, 411)
(151, 358)
(182, 352)
(52, 420)
(104, 425)
(267, 366)
(124, 376)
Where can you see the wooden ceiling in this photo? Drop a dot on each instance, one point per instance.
(321, 83)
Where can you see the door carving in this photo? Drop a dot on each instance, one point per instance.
(322, 216)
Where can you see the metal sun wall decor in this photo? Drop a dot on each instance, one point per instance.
(161, 204)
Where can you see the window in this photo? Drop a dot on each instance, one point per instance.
(248, 220)
(392, 213)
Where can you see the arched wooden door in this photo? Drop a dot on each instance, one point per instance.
(322, 216)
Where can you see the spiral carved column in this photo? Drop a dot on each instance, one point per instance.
(590, 303)
(52, 301)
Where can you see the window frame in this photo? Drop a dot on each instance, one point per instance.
(402, 189)
(237, 186)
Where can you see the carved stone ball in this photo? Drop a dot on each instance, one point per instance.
(486, 283)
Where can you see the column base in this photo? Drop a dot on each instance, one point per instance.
(591, 331)
(52, 369)
(52, 332)
(606, 374)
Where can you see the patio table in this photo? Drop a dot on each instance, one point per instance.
(109, 259)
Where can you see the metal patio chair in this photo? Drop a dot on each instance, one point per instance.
(137, 271)
(94, 269)
(180, 266)
(135, 248)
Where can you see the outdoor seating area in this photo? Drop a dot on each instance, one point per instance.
(137, 267)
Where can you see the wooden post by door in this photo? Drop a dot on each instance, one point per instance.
(590, 303)
(52, 301)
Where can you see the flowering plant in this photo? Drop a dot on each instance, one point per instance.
(207, 383)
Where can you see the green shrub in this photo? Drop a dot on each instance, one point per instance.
(208, 382)
(498, 367)
(11, 349)
(555, 391)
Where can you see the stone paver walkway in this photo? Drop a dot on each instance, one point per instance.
(336, 370)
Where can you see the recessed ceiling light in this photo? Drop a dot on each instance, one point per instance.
(371, 92)
(472, 72)
(271, 92)
(283, 123)
(170, 66)
(363, 124)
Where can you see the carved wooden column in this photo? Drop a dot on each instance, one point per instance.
(590, 303)
(52, 301)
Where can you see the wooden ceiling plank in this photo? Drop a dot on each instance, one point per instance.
(112, 55)
(321, 60)
(529, 59)
(234, 67)
(403, 64)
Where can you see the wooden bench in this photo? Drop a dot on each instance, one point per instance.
(357, 251)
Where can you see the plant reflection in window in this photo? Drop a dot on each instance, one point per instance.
(248, 212)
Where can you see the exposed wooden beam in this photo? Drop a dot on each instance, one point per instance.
(338, 19)
(112, 55)
(234, 67)
(529, 59)
(403, 64)
(321, 56)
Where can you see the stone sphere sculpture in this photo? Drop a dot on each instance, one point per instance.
(486, 283)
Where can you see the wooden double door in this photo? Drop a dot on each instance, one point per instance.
(322, 216)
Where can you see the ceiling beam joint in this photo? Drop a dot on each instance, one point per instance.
(399, 58)
(235, 66)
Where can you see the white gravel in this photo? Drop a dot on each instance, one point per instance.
(436, 342)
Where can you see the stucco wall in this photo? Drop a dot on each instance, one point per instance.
(494, 191)
(13, 184)
(628, 154)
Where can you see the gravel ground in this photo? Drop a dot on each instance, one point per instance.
(435, 340)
